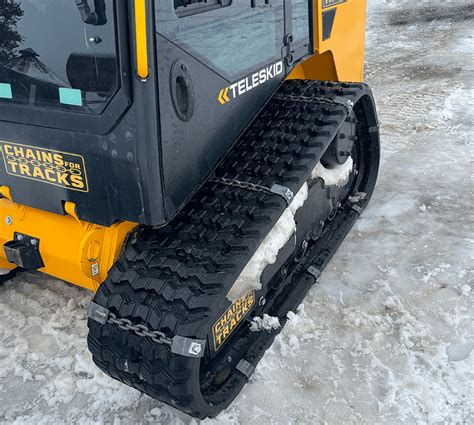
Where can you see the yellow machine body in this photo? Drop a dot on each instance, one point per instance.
(82, 253)
(341, 56)
(72, 250)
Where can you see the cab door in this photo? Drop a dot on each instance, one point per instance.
(218, 62)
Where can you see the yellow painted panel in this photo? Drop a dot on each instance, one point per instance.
(141, 38)
(341, 57)
(76, 251)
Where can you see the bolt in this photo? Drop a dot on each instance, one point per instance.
(195, 349)
(262, 301)
(9, 220)
(96, 40)
(34, 242)
(19, 237)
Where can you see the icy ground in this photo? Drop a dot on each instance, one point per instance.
(387, 336)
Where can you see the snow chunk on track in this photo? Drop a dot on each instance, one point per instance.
(265, 323)
(267, 252)
(283, 230)
(337, 176)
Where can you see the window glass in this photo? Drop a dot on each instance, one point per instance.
(58, 54)
(301, 21)
(234, 38)
(191, 7)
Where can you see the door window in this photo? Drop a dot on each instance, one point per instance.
(300, 21)
(58, 54)
(233, 37)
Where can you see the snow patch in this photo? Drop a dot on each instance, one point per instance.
(358, 196)
(267, 252)
(265, 323)
(337, 176)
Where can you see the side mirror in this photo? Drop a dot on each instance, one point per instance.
(98, 17)
(92, 73)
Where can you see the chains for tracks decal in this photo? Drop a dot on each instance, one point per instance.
(329, 3)
(229, 321)
(45, 165)
(250, 82)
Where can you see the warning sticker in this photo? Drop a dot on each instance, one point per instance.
(45, 165)
(229, 321)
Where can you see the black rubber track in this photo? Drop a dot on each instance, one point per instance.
(176, 279)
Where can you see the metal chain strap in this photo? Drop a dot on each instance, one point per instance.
(180, 345)
(253, 187)
(140, 330)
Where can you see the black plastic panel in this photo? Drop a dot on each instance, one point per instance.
(328, 22)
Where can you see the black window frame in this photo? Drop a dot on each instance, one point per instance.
(79, 121)
(300, 50)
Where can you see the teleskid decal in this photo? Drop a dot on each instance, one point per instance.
(49, 166)
(250, 82)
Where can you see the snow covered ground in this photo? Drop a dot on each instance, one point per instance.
(387, 336)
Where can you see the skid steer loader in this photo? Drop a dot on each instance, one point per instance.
(194, 163)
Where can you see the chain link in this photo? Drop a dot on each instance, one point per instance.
(253, 187)
(140, 330)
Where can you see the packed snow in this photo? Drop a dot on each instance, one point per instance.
(264, 323)
(284, 229)
(267, 252)
(386, 337)
(336, 176)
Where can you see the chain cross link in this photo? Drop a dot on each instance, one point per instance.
(140, 330)
(276, 189)
(253, 187)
